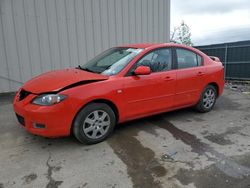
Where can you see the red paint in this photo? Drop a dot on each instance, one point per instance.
(56, 80)
(142, 70)
(134, 96)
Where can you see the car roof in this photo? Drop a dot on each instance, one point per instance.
(139, 45)
(160, 45)
(153, 45)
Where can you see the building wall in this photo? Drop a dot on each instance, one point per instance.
(41, 35)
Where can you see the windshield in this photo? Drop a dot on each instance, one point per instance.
(112, 61)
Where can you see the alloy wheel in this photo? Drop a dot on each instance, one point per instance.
(209, 98)
(96, 124)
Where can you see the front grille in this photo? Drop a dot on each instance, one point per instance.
(20, 119)
(23, 94)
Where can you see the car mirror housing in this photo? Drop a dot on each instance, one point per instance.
(142, 70)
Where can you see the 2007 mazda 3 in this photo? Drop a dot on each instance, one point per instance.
(120, 84)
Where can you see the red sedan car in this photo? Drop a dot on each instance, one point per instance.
(121, 84)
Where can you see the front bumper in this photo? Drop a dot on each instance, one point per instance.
(57, 119)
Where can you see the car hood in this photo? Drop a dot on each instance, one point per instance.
(58, 80)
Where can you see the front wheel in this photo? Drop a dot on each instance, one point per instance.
(207, 100)
(94, 123)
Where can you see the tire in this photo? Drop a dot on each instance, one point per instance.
(207, 99)
(94, 123)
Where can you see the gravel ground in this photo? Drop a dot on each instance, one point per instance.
(240, 86)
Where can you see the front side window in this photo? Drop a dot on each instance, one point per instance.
(157, 60)
(186, 59)
(112, 61)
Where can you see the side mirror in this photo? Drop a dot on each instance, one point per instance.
(142, 70)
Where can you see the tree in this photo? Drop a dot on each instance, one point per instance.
(181, 35)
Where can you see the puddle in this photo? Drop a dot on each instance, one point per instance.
(218, 139)
(189, 139)
(29, 178)
(142, 166)
(228, 166)
(212, 177)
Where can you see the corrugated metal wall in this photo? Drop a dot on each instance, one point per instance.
(235, 57)
(42, 35)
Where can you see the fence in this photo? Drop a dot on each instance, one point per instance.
(234, 56)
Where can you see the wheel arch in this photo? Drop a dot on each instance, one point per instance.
(105, 101)
(216, 86)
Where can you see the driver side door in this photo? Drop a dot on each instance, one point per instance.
(149, 94)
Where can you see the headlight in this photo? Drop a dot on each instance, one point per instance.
(48, 99)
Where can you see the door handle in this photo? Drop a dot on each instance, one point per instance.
(168, 78)
(200, 73)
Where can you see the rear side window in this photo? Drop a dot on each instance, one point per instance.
(186, 59)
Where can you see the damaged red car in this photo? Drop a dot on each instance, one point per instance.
(120, 84)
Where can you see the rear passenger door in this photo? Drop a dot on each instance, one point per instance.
(189, 77)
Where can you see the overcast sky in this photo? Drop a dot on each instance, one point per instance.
(213, 21)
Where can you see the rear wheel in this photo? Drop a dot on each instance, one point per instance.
(94, 123)
(207, 100)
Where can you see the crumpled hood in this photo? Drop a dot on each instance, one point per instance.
(59, 79)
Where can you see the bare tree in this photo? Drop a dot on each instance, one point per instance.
(181, 35)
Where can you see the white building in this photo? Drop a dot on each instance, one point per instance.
(41, 35)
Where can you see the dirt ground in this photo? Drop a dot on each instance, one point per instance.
(177, 149)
